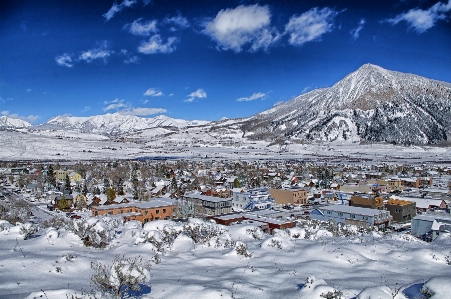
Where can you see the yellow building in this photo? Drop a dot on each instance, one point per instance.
(289, 195)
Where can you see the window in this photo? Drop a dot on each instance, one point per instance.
(157, 211)
(164, 210)
(146, 212)
(340, 214)
(121, 211)
(352, 216)
(157, 218)
(329, 212)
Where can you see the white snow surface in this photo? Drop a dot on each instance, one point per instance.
(364, 266)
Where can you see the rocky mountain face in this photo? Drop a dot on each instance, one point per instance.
(371, 104)
(13, 123)
(113, 123)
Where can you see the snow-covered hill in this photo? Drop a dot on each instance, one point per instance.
(113, 123)
(8, 122)
(371, 104)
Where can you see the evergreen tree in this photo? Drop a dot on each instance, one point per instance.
(51, 179)
(85, 189)
(68, 188)
(106, 185)
(120, 187)
(96, 190)
(174, 183)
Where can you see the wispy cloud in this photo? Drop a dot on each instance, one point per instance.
(87, 108)
(65, 60)
(29, 90)
(355, 32)
(310, 25)
(117, 8)
(232, 29)
(198, 94)
(178, 20)
(142, 28)
(421, 20)
(132, 59)
(30, 118)
(142, 111)
(253, 97)
(4, 100)
(156, 45)
(102, 52)
(121, 107)
(153, 92)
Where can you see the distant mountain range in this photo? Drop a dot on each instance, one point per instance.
(115, 123)
(371, 104)
(9, 122)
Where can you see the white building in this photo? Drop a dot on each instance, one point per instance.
(259, 198)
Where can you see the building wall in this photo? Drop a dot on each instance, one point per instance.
(145, 215)
(285, 196)
(366, 202)
(402, 213)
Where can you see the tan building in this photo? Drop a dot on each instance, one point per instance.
(366, 201)
(155, 209)
(289, 195)
(394, 184)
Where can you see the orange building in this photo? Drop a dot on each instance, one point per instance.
(155, 209)
(293, 195)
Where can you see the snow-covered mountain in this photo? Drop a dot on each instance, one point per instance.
(370, 104)
(113, 123)
(8, 122)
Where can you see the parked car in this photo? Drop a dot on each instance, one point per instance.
(75, 217)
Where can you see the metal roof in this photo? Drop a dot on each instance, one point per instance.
(352, 210)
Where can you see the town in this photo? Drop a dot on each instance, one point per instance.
(274, 194)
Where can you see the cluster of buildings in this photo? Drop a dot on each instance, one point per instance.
(276, 193)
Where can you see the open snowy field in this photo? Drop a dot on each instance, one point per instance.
(59, 146)
(55, 262)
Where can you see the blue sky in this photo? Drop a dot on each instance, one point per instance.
(204, 59)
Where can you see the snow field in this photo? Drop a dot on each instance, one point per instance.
(368, 265)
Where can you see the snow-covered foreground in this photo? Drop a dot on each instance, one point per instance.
(72, 146)
(297, 263)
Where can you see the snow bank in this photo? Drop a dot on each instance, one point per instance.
(437, 287)
(315, 287)
(381, 292)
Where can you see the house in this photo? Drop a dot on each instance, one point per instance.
(208, 205)
(366, 201)
(424, 204)
(144, 211)
(69, 199)
(75, 177)
(401, 210)
(423, 225)
(362, 217)
(290, 195)
(410, 182)
(259, 198)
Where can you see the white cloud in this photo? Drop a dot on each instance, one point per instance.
(102, 52)
(142, 111)
(152, 92)
(421, 20)
(29, 90)
(232, 29)
(156, 45)
(144, 29)
(253, 97)
(355, 32)
(179, 20)
(310, 25)
(87, 108)
(198, 94)
(117, 8)
(278, 103)
(115, 105)
(30, 118)
(131, 59)
(65, 60)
